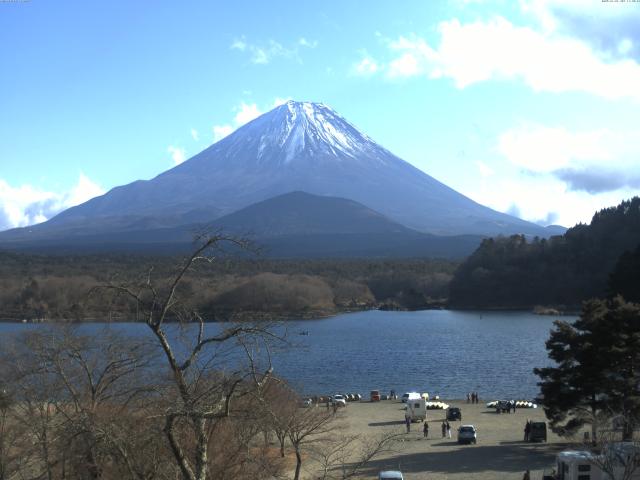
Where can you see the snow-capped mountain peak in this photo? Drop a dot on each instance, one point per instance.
(297, 146)
(306, 131)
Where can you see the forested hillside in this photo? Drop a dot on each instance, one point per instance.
(512, 272)
(56, 288)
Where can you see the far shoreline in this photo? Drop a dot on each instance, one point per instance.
(249, 316)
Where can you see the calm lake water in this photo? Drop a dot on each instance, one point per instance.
(438, 351)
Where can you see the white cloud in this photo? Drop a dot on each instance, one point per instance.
(593, 161)
(303, 42)
(498, 50)
(545, 149)
(246, 112)
(280, 101)
(366, 66)
(485, 170)
(262, 54)
(194, 134)
(25, 205)
(221, 131)
(543, 200)
(178, 154)
(82, 191)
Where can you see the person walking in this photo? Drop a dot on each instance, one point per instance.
(448, 429)
(425, 429)
(444, 429)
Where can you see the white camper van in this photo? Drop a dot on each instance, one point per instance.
(584, 465)
(416, 409)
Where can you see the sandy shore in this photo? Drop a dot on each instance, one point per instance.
(500, 452)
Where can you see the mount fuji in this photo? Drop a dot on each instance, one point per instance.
(298, 146)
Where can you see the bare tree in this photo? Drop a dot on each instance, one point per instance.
(203, 384)
(307, 428)
(76, 396)
(617, 459)
(343, 457)
(13, 439)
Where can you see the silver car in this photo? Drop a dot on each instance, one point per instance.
(390, 475)
(467, 434)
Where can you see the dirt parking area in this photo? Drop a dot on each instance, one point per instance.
(500, 452)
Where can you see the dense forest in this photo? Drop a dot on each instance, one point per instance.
(49, 287)
(595, 260)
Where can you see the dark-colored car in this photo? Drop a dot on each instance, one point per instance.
(454, 413)
(467, 434)
(503, 406)
(538, 432)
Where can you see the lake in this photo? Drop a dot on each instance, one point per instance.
(443, 352)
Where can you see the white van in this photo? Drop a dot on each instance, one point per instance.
(416, 409)
(410, 396)
(583, 465)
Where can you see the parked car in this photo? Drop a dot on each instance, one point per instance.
(454, 413)
(410, 396)
(375, 395)
(306, 402)
(339, 400)
(538, 432)
(390, 475)
(467, 434)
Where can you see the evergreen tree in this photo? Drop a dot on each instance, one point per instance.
(625, 278)
(597, 368)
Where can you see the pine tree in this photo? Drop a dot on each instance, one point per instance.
(597, 368)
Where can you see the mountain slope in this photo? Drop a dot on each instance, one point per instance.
(294, 147)
(293, 225)
(299, 224)
(300, 213)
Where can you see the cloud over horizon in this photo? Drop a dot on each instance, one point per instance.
(26, 205)
(594, 161)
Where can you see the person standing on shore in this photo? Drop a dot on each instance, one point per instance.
(448, 429)
(527, 475)
(407, 420)
(425, 429)
(527, 430)
(468, 397)
(444, 429)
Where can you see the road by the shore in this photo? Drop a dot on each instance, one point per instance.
(500, 452)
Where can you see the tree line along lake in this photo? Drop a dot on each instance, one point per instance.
(443, 352)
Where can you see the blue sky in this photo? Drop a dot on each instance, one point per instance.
(530, 107)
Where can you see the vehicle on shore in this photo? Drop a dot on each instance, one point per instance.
(467, 434)
(454, 413)
(620, 459)
(339, 400)
(416, 410)
(537, 432)
(375, 395)
(410, 396)
(390, 475)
